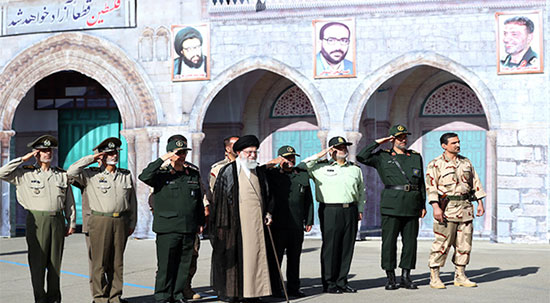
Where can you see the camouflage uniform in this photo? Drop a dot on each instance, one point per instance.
(456, 179)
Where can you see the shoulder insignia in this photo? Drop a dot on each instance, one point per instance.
(94, 168)
(192, 166)
(386, 150)
(59, 169)
(29, 167)
(323, 161)
(124, 170)
(412, 151)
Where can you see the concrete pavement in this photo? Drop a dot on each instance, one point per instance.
(504, 272)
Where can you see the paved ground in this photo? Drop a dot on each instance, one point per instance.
(504, 272)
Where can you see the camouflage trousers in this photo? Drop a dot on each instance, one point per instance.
(456, 234)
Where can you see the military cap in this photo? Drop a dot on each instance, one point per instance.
(397, 130)
(108, 145)
(44, 141)
(246, 141)
(287, 150)
(335, 141)
(178, 142)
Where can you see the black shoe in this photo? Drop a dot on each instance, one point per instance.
(181, 301)
(406, 279)
(298, 294)
(278, 294)
(390, 283)
(348, 289)
(334, 290)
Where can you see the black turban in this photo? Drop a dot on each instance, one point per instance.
(246, 141)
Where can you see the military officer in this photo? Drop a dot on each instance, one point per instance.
(452, 178)
(45, 193)
(340, 191)
(292, 215)
(178, 217)
(111, 196)
(401, 203)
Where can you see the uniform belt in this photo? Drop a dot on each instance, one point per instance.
(458, 198)
(112, 215)
(45, 212)
(342, 205)
(406, 187)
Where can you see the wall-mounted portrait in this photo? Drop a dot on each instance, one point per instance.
(334, 48)
(190, 52)
(519, 42)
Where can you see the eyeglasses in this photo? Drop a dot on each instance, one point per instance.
(333, 41)
(181, 152)
(192, 48)
(248, 153)
(401, 137)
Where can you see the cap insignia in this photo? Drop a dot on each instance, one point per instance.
(47, 143)
(289, 149)
(179, 143)
(400, 128)
(111, 145)
(340, 140)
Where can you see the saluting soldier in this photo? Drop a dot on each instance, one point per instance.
(178, 217)
(401, 203)
(292, 216)
(111, 197)
(45, 193)
(340, 191)
(452, 178)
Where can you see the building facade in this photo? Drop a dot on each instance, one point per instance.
(431, 65)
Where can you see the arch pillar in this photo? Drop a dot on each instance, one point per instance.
(353, 137)
(196, 142)
(5, 226)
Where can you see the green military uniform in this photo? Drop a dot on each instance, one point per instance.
(111, 198)
(293, 211)
(402, 199)
(178, 214)
(340, 191)
(48, 198)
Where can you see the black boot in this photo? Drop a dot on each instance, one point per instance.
(406, 279)
(390, 284)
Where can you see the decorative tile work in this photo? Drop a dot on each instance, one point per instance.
(452, 99)
(292, 103)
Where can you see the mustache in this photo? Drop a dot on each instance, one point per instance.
(337, 51)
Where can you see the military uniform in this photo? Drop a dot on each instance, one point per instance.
(179, 212)
(530, 58)
(340, 191)
(48, 198)
(293, 211)
(456, 180)
(111, 197)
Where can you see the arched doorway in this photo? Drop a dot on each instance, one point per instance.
(75, 109)
(409, 96)
(100, 60)
(265, 104)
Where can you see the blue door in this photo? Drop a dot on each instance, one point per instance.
(79, 132)
(306, 144)
(473, 146)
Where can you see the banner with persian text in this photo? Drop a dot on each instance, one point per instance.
(28, 17)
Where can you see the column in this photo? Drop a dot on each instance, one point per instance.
(5, 226)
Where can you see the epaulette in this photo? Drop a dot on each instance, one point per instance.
(353, 163)
(124, 170)
(192, 166)
(323, 161)
(59, 169)
(94, 168)
(29, 167)
(386, 150)
(412, 151)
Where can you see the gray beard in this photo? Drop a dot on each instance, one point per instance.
(344, 157)
(112, 162)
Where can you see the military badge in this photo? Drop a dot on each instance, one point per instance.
(400, 128)
(341, 140)
(47, 143)
(37, 191)
(289, 149)
(416, 172)
(179, 143)
(111, 145)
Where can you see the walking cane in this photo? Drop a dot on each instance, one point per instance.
(278, 265)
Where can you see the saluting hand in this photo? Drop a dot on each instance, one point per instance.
(168, 155)
(30, 155)
(384, 140)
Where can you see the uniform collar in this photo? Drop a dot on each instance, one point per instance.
(447, 159)
(333, 162)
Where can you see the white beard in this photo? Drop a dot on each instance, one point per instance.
(250, 164)
(112, 162)
(344, 157)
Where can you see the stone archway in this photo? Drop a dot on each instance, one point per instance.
(371, 83)
(96, 58)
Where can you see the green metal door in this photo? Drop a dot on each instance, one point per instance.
(473, 147)
(79, 132)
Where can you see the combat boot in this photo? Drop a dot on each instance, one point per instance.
(461, 279)
(435, 281)
(406, 279)
(390, 283)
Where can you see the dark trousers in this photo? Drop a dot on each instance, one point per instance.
(287, 241)
(339, 229)
(45, 237)
(108, 237)
(392, 226)
(188, 291)
(174, 253)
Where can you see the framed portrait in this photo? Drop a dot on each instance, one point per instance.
(334, 48)
(190, 52)
(519, 42)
